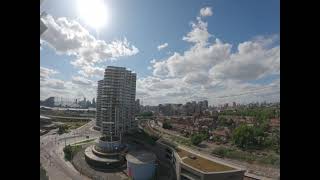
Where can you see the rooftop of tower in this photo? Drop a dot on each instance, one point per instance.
(115, 67)
(119, 68)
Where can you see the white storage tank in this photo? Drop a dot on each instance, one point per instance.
(141, 165)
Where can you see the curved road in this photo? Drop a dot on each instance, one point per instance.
(51, 152)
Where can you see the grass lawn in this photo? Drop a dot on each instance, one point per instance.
(75, 125)
(70, 151)
(179, 140)
(72, 123)
(75, 119)
(202, 163)
(83, 142)
(269, 158)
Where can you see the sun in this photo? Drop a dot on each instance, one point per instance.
(93, 12)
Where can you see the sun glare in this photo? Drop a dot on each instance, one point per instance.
(93, 12)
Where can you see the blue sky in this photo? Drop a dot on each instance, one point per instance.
(147, 24)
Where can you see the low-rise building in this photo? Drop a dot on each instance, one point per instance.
(274, 123)
(193, 166)
(222, 134)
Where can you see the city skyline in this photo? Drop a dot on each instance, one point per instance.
(196, 54)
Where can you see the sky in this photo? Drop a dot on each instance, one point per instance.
(222, 51)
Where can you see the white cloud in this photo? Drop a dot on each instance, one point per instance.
(216, 74)
(89, 71)
(206, 11)
(199, 33)
(207, 70)
(160, 69)
(196, 59)
(149, 67)
(78, 87)
(213, 71)
(196, 78)
(251, 62)
(153, 61)
(81, 81)
(46, 72)
(156, 91)
(52, 83)
(162, 46)
(69, 37)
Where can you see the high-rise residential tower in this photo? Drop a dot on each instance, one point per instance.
(98, 104)
(116, 96)
(137, 106)
(116, 101)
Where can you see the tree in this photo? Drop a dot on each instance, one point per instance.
(244, 136)
(43, 173)
(166, 125)
(68, 152)
(223, 121)
(248, 137)
(146, 114)
(196, 139)
(204, 135)
(274, 140)
(62, 129)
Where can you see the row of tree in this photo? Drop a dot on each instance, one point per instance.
(260, 113)
(166, 125)
(146, 114)
(247, 138)
(197, 138)
(255, 137)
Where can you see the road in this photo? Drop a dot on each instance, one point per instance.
(51, 152)
(172, 133)
(69, 117)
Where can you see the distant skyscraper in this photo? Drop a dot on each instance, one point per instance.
(206, 104)
(93, 103)
(116, 101)
(203, 105)
(50, 102)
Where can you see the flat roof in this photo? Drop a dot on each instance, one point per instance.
(89, 153)
(201, 163)
(141, 157)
